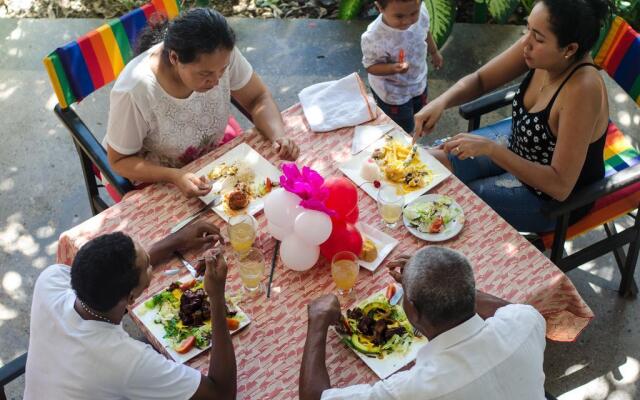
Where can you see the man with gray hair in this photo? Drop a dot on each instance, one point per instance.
(480, 347)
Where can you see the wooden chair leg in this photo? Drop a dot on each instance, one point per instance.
(474, 123)
(559, 237)
(95, 201)
(628, 287)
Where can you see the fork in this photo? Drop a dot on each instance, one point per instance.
(411, 155)
(213, 203)
(416, 332)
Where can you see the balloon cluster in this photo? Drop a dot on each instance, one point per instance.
(312, 216)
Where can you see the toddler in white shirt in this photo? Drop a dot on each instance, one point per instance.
(394, 50)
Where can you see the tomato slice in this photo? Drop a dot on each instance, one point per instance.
(391, 290)
(437, 225)
(233, 324)
(186, 345)
(188, 285)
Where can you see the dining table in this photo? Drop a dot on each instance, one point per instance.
(269, 350)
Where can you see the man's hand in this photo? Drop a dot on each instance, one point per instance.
(287, 148)
(396, 267)
(437, 60)
(400, 68)
(215, 274)
(196, 234)
(324, 310)
(191, 236)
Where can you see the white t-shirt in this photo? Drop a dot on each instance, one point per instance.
(498, 359)
(71, 358)
(146, 120)
(381, 44)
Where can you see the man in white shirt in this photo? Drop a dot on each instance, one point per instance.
(480, 347)
(77, 347)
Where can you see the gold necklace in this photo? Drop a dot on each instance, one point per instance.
(545, 84)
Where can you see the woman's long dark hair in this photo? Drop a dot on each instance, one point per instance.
(577, 21)
(197, 31)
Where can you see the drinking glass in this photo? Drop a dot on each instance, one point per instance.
(242, 233)
(390, 205)
(344, 271)
(252, 268)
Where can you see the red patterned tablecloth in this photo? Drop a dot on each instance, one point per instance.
(269, 351)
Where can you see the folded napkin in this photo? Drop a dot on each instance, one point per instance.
(336, 104)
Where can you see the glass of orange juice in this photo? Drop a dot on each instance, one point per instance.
(344, 270)
(252, 268)
(242, 233)
(390, 205)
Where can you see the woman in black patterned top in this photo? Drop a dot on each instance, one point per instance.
(554, 143)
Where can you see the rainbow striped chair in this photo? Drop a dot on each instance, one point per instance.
(618, 194)
(83, 66)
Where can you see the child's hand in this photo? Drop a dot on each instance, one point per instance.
(400, 68)
(437, 60)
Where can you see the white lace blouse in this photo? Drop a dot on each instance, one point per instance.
(146, 120)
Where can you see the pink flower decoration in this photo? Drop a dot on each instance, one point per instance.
(307, 185)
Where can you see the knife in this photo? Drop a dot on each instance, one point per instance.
(187, 264)
(213, 203)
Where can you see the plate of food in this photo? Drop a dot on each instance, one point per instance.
(180, 319)
(433, 217)
(242, 177)
(392, 160)
(376, 246)
(380, 334)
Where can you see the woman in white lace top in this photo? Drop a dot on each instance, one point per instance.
(171, 103)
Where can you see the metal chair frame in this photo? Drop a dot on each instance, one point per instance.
(614, 242)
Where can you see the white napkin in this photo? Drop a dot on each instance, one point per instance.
(337, 104)
(365, 135)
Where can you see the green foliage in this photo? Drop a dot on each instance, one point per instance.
(528, 5)
(629, 10)
(349, 9)
(499, 10)
(442, 14)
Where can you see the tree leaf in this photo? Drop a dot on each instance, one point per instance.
(442, 14)
(349, 9)
(501, 10)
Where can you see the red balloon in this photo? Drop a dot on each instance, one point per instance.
(353, 216)
(343, 196)
(344, 237)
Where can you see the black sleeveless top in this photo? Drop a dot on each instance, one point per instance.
(531, 138)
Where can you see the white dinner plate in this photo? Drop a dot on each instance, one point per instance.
(384, 243)
(452, 229)
(391, 362)
(261, 167)
(148, 315)
(353, 166)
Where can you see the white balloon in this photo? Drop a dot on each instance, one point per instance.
(278, 231)
(314, 227)
(280, 207)
(298, 255)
